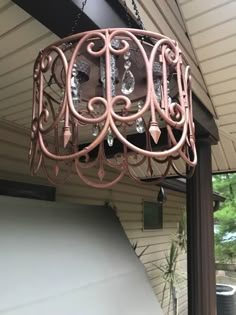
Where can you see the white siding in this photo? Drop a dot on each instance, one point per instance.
(126, 196)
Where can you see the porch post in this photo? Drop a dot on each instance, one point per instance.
(201, 263)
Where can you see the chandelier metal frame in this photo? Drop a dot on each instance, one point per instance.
(53, 118)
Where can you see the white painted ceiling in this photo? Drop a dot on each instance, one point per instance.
(209, 24)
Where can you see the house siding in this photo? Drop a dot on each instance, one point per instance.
(126, 196)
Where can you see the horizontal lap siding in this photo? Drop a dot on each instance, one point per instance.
(126, 196)
(164, 17)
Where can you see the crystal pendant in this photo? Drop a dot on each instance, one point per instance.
(113, 75)
(140, 125)
(169, 99)
(75, 87)
(102, 71)
(128, 82)
(110, 138)
(127, 55)
(95, 130)
(157, 87)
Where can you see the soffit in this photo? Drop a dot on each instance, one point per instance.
(211, 28)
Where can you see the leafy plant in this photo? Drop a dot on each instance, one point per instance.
(172, 277)
(168, 270)
(225, 218)
(181, 235)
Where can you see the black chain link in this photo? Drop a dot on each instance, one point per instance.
(127, 14)
(136, 11)
(78, 17)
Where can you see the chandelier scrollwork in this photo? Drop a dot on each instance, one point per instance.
(103, 100)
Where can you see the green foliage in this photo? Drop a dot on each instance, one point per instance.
(172, 277)
(225, 218)
(181, 235)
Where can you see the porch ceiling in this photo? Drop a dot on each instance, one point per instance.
(211, 28)
(21, 38)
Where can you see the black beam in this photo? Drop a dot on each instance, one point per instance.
(204, 121)
(178, 185)
(200, 229)
(59, 15)
(25, 190)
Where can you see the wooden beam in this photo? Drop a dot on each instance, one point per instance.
(25, 190)
(59, 15)
(200, 227)
(175, 184)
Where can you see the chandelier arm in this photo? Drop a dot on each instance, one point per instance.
(155, 181)
(34, 170)
(78, 154)
(68, 81)
(136, 32)
(189, 100)
(94, 184)
(177, 171)
(122, 97)
(44, 66)
(148, 153)
(55, 181)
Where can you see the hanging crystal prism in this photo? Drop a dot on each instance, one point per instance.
(102, 71)
(157, 75)
(75, 87)
(139, 121)
(113, 75)
(169, 99)
(110, 138)
(128, 80)
(140, 125)
(95, 130)
(115, 43)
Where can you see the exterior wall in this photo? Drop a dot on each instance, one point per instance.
(126, 196)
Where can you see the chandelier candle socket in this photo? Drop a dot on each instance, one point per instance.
(104, 100)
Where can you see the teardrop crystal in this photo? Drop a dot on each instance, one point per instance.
(128, 82)
(95, 130)
(110, 138)
(127, 65)
(127, 55)
(140, 125)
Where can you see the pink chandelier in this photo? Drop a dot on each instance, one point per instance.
(103, 107)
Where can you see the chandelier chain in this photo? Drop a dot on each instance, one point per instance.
(127, 14)
(137, 14)
(78, 17)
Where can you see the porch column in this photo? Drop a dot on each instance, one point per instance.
(201, 262)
